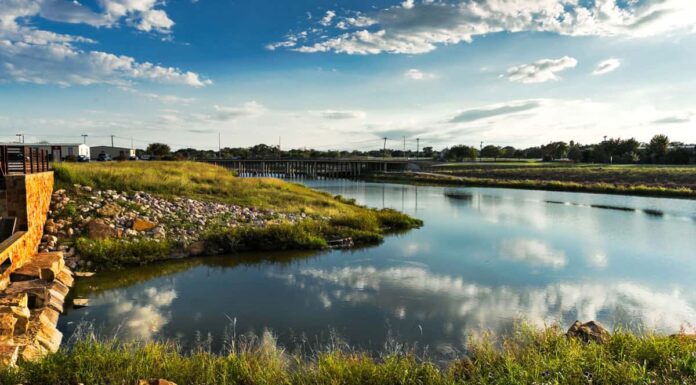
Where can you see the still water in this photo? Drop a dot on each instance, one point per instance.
(485, 259)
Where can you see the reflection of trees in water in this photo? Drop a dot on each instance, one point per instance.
(131, 276)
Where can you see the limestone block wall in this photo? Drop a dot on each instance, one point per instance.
(28, 198)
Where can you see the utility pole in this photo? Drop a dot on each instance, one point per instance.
(219, 145)
(112, 141)
(20, 138)
(384, 153)
(84, 138)
(480, 152)
(405, 148)
(417, 147)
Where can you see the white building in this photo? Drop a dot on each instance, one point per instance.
(57, 151)
(114, 152)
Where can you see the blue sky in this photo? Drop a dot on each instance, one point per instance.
(344, 74)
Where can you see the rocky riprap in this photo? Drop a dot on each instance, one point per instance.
(98, 214)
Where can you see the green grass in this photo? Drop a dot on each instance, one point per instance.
(329, 217)
(654, 176)
(543, 179)
(203, 181)
(106, 254)
(526, 356)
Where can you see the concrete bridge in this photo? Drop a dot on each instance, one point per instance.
(33, 285)
(319, 168)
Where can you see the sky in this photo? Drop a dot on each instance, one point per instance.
(345, 74)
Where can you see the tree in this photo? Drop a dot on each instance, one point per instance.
(658, 148)
(574, 153)
(508, 152)
(491, 151)
(461, 152)
(158, 149)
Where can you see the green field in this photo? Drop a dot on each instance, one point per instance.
(647, 180)
(526, 356)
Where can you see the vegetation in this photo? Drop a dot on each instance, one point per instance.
(111, 253)
(326, 218)
(664, 181)
(528, 356)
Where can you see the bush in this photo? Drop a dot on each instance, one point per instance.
(284, 236)
(111, 253)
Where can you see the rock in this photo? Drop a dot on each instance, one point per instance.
(84, 274)
(590, 331)
(158, 381)
(143, 224)
(109, 210)
(99, 229)
(197, 249)
(8, 355)
(159, 232)
(80, 303)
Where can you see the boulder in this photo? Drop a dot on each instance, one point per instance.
(44, 266)
(589, 331)
(99, 229)
(8, 355)
(110, 210)
(143, 224)
(197, 249)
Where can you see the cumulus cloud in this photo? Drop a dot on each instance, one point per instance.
(474, 114)
(416, 74)
(606, 66)
(341, 114)
(31, 55)
(540, 71)
(419, 27)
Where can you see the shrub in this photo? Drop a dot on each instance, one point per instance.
(114, 253)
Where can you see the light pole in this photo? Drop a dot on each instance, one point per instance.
(20, 138)
(84, 138)
(480, 152)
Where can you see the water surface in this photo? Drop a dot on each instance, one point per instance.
(485, 259)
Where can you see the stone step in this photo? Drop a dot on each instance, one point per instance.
(44, 266)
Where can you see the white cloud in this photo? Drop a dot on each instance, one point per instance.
(30, 55)
(414, 28)
(229, 113)
(533, 252)
(606, 66)
(416, 74)
(474, 307)
(341, 114)
(326, 20)
(540, 71)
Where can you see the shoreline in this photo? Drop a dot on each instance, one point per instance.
(435, 179)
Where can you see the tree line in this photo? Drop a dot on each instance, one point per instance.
(660, 150)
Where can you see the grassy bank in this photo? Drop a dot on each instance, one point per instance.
(319, 218)
(528, 356)
(625, 180)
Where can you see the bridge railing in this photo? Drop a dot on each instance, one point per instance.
(23, 160)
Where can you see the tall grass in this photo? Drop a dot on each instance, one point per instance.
(202, 181)
(527, 356)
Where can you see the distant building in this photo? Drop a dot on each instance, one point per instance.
(57, 151)
(114, 152)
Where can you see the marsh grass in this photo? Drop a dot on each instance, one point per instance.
(444, 179)
(110, 253)
(526, 356)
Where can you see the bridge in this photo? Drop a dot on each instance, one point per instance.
(319, 168)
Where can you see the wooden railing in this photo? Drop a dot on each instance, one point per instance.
(23, 160)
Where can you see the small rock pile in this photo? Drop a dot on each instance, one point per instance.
(99, 214)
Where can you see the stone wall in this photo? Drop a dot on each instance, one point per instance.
(28, 199)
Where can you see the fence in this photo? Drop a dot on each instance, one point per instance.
(23, 160)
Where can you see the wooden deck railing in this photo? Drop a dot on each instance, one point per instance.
(23, 160)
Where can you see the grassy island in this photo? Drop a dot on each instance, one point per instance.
(526, 356)
(642, 180)
(129, 213)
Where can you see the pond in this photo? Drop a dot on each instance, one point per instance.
(485, 259)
